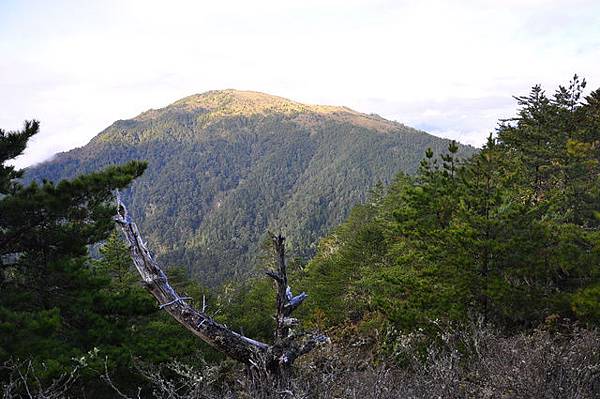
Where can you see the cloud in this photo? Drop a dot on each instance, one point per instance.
(468, 120)
(447, 67)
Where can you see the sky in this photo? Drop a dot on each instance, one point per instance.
(447, 67)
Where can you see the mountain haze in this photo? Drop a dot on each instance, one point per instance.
(227, 166)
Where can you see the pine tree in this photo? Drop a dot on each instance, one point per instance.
(49, 293)
(511, 233)
(12, 144)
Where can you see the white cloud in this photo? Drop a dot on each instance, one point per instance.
(447, 67)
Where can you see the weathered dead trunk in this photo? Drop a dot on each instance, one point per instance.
(275, 359)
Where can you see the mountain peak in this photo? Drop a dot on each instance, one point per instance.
(231, 102)
(241, 102)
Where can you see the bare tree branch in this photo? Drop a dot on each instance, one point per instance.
(220, 337)
(286, 303)
(275, 359)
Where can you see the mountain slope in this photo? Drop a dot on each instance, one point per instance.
(226, 166)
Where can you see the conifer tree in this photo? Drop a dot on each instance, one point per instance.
(50, 296)
(511, 233)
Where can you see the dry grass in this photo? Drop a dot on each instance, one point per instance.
(473, 362)
(468, 362)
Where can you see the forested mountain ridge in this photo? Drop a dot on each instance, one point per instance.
(224, 167)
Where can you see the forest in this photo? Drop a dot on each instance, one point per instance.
(225, 166)
(475, 275)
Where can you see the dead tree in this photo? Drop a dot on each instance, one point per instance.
(276, 359)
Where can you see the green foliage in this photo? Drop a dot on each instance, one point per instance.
(585, 304)
(249, 308)
(55, 307)
(12, 144)
(140, 329)
(226, 167)
(341, 259)
(510, 233)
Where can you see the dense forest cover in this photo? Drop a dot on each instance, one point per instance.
(474, 277)
(58, 307)
(226, 166)
(512, 233)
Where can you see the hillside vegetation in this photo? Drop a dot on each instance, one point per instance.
(224, 167)
(474, 277)
(511, 234)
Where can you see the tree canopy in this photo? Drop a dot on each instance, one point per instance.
(57, 305)
(511, 233)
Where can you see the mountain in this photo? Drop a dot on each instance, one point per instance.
(227, 166)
